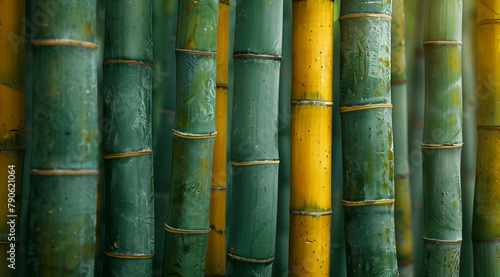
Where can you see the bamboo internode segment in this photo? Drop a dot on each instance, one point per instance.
(63, 42)
(193, 136)
(253, 163)
(127, 62)
(442, 138)
(360, 108)
(55, 172)
(185, 231)
(363, 15)
(123, 256)
(247, 260)
(124, 155)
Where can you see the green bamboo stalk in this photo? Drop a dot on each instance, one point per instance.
(164, 29)
(402, 209)
(64, 163)
(416, 90)
(280, 267)
(254, 145)
(442, 138)
(187, 224)
(486, 219)
(365, 107)
(470, 135)
(12, 133)
(127, 139)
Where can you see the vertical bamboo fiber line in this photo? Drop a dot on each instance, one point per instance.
(367, 149)
(486, 219)
(127, 139)
(12, 134)
(216, 255)
(442, 138)
(64, 162)
(311, 138)
(254, 141)
(187, 225)
(402, 208)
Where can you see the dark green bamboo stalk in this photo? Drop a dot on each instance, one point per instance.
(164, 29)
(187, 224)
(127, 139)
(64, 163)
(402, 209)
(254, 145)
(442, 138)
(365, 107)
(12, 133)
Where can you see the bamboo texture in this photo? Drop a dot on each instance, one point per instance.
(442, 138)
(402, 208)
(12, 133)
(486, 221)
(367, 149)
(127, 139)
(254, 141)
(187, 225)
(311, 138)
(64, 162)
(216, 254)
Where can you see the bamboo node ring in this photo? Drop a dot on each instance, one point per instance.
(317, 213)
(366, 107)
(484, 240)
(257, 56)
(197, 52)
(127, 62)
(184, 231)
(488, 22)
(254, 261)
(442, 241)
(367, 203)
(123, 256)
(8, 242)
(441, 146)
(311, 103)
(358, 15)
(399, 82)
(442, 42)
(56, 172)
(193, 136)
(63, 42)
(124, 155)
(218, 188)
(219, 85)
(402, 176)
(255, 163)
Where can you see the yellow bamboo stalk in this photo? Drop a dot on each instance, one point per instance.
(216, 251)
(311, 145)
(12, 141)
(486, 218)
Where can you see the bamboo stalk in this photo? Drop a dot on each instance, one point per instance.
(486, 221)
(187, 225)
(402, 208)
(127, 139)
(216, 254)
(367, 149)
(311, 134)
(442, 138)
(64, 163)
(254, 144)
(12, 133)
